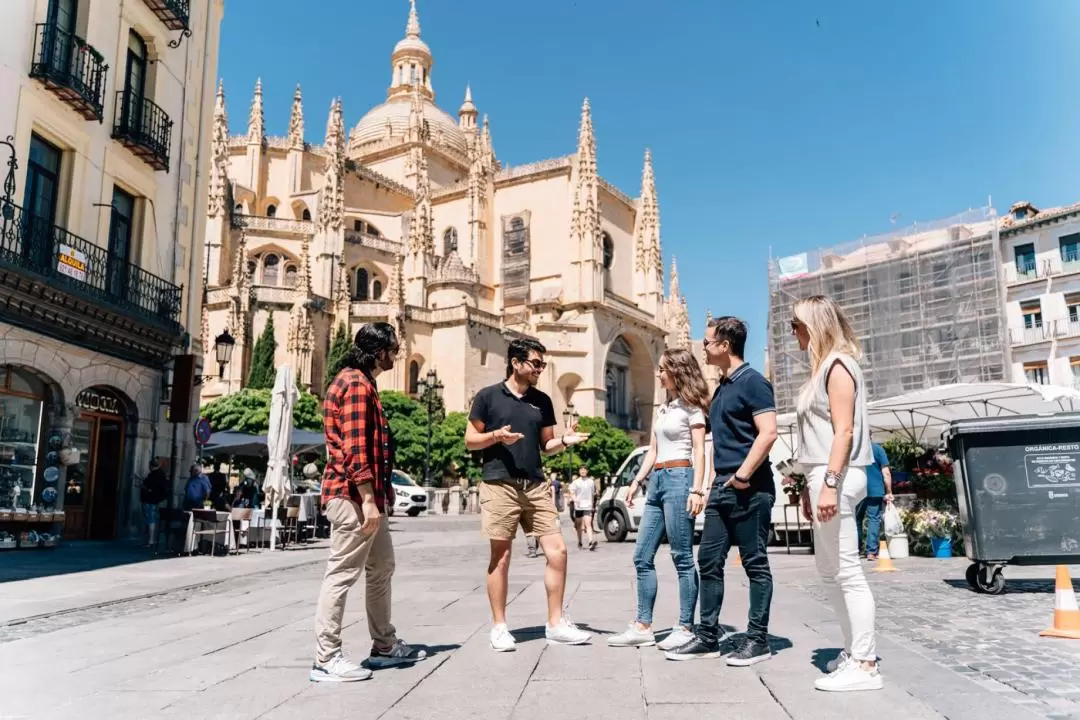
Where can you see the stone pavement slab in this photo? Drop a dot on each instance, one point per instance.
(224, 639)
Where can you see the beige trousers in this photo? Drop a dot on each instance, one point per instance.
(352, 552)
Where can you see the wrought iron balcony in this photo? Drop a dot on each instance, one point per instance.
(77, 266)
(71, 69)
(144, 128)
(174, 13)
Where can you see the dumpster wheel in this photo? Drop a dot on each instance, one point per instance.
(986, 578)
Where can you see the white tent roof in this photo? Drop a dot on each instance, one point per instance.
(923, 415)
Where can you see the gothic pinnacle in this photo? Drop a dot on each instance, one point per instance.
(296, 120)
(412, 28)
(256, 121)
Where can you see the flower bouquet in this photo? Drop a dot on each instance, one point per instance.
(794, 481)
(938, 525)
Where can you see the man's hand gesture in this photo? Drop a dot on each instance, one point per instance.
(506, 436)
(573, 437)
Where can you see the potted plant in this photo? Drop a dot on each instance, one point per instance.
(794, 481)
(938, 525)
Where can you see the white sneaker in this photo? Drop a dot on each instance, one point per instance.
(850, 678)
(838, 662)
(338, 670)
(633, 636)
(566, 633)
(679, 636)
(501, 639)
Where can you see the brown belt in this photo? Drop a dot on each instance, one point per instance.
(672, 464)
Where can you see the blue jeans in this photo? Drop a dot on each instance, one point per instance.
(665, 508)
(745, 517)
(870, 509)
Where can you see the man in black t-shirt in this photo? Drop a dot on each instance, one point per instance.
(513, 424)
(154, 490)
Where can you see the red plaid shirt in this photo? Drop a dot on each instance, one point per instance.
(357, 440)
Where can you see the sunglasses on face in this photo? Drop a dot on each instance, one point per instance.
(537, 365)
(795, 325)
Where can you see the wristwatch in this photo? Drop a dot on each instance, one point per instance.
(832, 479)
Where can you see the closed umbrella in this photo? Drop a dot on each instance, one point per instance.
(277, 484)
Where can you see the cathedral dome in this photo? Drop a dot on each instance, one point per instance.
(391, 119)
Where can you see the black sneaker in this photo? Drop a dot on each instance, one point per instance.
(696, 649)
(749, 653)
(400, 654)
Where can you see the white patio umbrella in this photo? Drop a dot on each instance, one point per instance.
(277, 484)
(923, 415)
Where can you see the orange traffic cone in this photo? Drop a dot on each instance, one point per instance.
(738, 557)
(1066, 612)
(884, 562)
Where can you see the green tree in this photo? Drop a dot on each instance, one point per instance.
(248, 411)
(262, 372)
(408, 420)
(339, 353)
(602, 453)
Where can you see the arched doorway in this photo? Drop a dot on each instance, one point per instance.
(94, 487)
(629, 382)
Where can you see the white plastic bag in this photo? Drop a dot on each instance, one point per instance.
(892, 524)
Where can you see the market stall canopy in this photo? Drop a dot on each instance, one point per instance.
(923, 415)
(243, 444)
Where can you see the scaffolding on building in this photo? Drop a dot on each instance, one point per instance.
(925, 302)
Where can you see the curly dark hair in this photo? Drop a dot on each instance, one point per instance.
(371, 339)
(519, 350)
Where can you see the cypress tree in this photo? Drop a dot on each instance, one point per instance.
(263, 370)
(339, 352)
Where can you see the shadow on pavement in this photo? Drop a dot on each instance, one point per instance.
(1012, 587)
(823, 656)
(72, 557)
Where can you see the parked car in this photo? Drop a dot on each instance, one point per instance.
(409, 497)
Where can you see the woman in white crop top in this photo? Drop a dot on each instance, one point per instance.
(834, 450)
(673, 498)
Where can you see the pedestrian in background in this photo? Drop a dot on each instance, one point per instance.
(834, 447)
(878, 493)
(197, 489)
(154, 491)
(583, 490)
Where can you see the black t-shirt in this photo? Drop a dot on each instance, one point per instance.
(496, 407)
(155, 487)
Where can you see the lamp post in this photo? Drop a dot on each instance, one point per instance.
(430, 387)
(570, 418)
(223, 348)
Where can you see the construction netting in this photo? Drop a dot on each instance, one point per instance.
(925, 302)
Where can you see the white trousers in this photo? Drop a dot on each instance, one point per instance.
(836, 551)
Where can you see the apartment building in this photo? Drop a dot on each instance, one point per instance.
(1040, 251)
(925, 301)
(106, 107)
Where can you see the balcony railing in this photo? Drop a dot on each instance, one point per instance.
(374, 242)
(1030, 335)
(273, 224)
(31, 245)
(70, 68)
(144, 128)
(175, 14)
(369, 309)
(1027, 271)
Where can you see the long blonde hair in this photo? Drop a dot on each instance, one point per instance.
(690, 383)
(829, 330)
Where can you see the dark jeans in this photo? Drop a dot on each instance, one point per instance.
(745, 518)
(870, 510)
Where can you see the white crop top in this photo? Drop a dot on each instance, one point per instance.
(672, 430)
(815, 420)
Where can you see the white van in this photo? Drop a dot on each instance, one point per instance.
(617, 521)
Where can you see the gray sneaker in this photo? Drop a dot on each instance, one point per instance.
(338, 670)
(678, 637)
(633, 636)
(400, 654)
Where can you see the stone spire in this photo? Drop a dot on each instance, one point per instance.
(586, 211)
(412, 27)
(467, 113)
(647, 243)
(421, 227)
(296, 121)
(487, 148)
(676, 313)
(240, 292)
(341, 295)
(219, 161)
(256, 134)
(332, 195)
(303, 275)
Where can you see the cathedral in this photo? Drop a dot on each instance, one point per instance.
(410, 218)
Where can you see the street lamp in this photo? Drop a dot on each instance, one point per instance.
(570, 418)
(223, 347)
(430, 388)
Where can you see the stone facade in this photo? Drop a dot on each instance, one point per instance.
(411, 218)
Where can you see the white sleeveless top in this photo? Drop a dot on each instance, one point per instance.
(815, 420)
(672, 430)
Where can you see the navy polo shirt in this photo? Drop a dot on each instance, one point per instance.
(737, 400)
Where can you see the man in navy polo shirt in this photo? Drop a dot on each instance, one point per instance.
(740, 498)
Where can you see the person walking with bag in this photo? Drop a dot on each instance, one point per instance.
(356, 491)
(676, 461)
(834, 448)
(878, 497)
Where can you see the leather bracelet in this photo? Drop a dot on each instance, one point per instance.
(698, 492)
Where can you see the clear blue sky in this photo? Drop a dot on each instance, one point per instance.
(784, 124)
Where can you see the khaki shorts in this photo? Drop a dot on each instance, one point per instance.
(504, 506)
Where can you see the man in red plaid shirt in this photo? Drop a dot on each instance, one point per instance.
(356, 490)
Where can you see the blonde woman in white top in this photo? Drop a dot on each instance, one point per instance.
(674, 498)
(834, 449)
